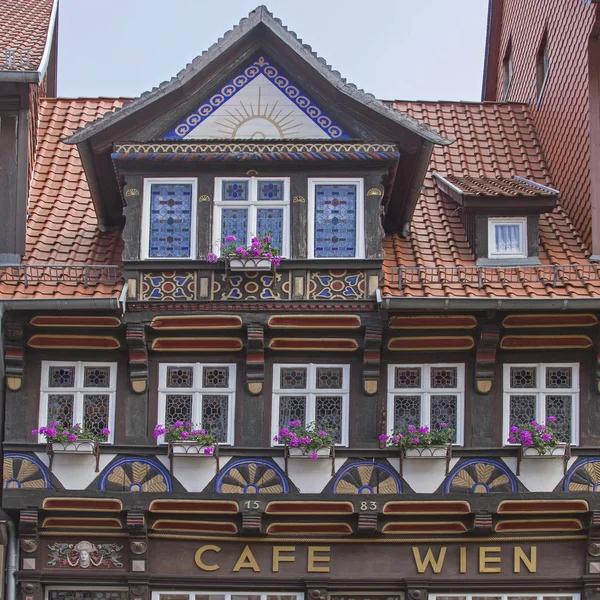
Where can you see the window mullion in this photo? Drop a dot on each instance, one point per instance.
(197, 412)
(426, 410)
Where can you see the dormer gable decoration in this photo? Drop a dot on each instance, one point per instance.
(500, 215)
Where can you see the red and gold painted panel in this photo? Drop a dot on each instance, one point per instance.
(220, 527)
(531, 525)
(531, 321)
(83, 504)
(309, 508)
(75, 321)
(433, 322)
(428, 343)
(458, 507)
(197, 344)
(317, 344)
(542, 506)
(81, 523)
(314, 322)
(73, 342)
(544, 342)
(194, 506)
(424, 527)
(309, 529)
(197, 322)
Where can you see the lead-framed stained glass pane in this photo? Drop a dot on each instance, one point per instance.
(335, 220)
(234, 222)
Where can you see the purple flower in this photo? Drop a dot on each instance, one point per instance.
(533, 423)
(512, 439)
(540, 428)
(277, 438)
(423, 429)
(527, 443)
(50, 432)
(211, 257)
(185, 435)
(294, 423)
(284, 431)
(294, 442)
(209, 450)
(551, 419)
(267, 239)
(322, 433)
(255, 241)
(72, 438)
(178, 424)
(255, 251)
(415, 440)
(43, 430)
(384, 438)
(276, 261)
(195, 432)
(442, 425)
(231, 238)
(35, 432)
(314, 456)
(525, 434)
(412, 428)
(514, 429)
(546, 437)
(106, 431)
(65, 433)
(203, 431)
(78, 426)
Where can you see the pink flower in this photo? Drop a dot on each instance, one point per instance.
(415, 440)
(267, 239)
(34, 432)
(276, 261)
(231, 238)
(442, 425)
(209, 450)
(546, 437)
(255, 241)
(412, 428)
(185, 435)
(423, 429)
(294, 442)
(211, 257)
(195, 432)
(384, 438)
(551, 419)
(322, 433)
(203, 431)
(294, 423)
(106, 431)
(314, 456)
(512, 439)
(72, 438)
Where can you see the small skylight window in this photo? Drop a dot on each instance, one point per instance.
(507, 238)
(507, 70)
(542, 65)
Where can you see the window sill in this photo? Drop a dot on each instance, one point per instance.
(286, 264)
(529, 261)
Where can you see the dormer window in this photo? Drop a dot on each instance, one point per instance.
(246, 207)
(169, 218)
(507, 238)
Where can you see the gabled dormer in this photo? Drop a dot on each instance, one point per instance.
(256, 135)
(500, 216)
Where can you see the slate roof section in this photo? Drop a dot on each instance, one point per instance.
(495, 186)
(62, 226)
(25, 30)
(492, 140)
(259, 15)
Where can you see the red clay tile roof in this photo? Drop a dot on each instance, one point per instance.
(561, 119)
(62, 225)
(497, 186)
(24, 26)
(492, 140)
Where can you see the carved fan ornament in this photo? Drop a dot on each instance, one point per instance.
(135, 475)
(22, 471)
(480, 477)
(583, 477)
(366, 478)
(251, 477)
(84, 555)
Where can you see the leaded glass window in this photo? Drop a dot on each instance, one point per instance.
(535, 392)
(201, 595)
(312, 394)
(426, 396)
(249, 207)
(335, 223)
(89, 594)
(78, 393)
(169, 218)
(201, 394)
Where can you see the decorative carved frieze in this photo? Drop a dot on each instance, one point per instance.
(255, 359)
(84, 555)
(138, 357)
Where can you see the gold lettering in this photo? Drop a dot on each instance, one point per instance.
(198, 558)
(463, 559)
(436, 563)
(314, 558)
(520, 556)
(279, 558)
(484, 559)
(246, 561)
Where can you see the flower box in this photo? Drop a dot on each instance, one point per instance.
(429, 452)
(558, 451)
(191, 449)
(250, 264)
(82, 447)
(303, 453)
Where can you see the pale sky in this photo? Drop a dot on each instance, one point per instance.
(394, 49)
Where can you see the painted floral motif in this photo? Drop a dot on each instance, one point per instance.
(583, 476)
(337, 285)
(366, 478)
(251, 286)
(169, 285)
(251, 477)
(478, 476)
(84, 555)
(23, 471)
(135, 475)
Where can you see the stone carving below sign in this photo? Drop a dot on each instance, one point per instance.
(29, 546)
(84, 555)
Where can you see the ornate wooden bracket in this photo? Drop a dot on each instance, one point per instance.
(372, 359)
(255, 359)
(486, 358)
(13, 356)
(138, 358)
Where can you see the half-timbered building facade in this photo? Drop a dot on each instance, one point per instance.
(435, 269)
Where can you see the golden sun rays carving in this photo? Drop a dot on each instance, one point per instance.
(21, 471)
(135, 475)
(584, 477)
(366, 478)
(481, 477)
(251, 477)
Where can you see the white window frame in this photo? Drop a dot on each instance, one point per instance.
(252, 204)
(426, 391)
(145, 237)
(227, 595)
(492, 222)
(197, 392)
(311, 391)
(541, 391)
(360, 220)
(78, 391)
(511, 595)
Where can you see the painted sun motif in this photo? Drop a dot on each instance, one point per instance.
(251, 477)
(480, 477)
(21, 471)
(135, 475)
(366, 478)
(584, 477)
